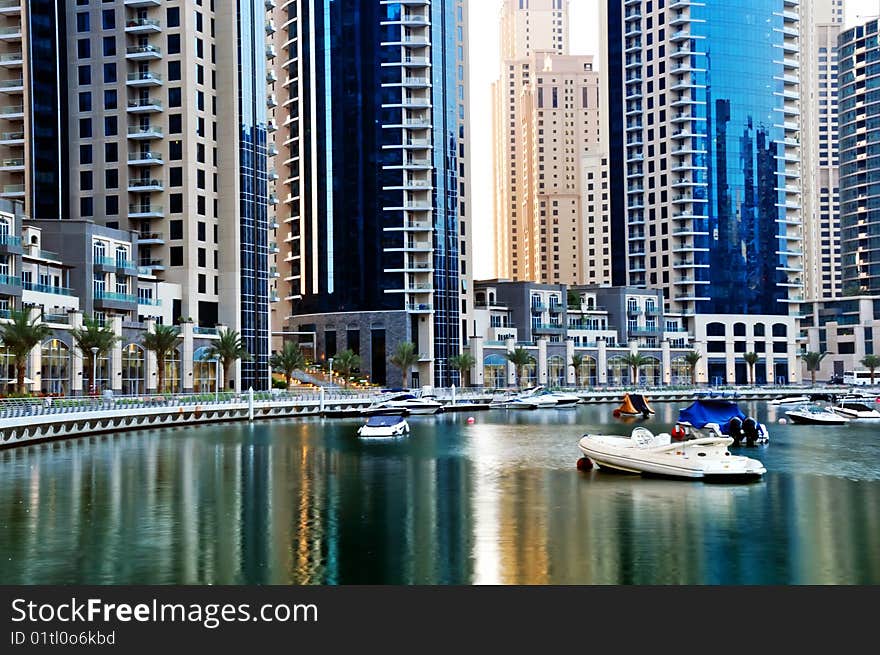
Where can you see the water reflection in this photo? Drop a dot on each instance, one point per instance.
(496, 502)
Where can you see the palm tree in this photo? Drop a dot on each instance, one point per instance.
(162, 340)
(345, 362)
(228, 349)
(20, 336)
(288, 360)
(635, 361)
(520, 358)
(404, 358)
(751, 359)
(463, 363)
(813, 360)
(93, 335)
(872, 363)
(693, 358)
(577, 361)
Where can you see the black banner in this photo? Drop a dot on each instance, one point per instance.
(227, 619)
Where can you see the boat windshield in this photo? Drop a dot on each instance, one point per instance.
(383, 421)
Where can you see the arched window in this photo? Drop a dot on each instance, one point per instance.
(495, 371)
(556, 371)
(780, 330)
(55, 368)
(172, 371)
(204, 371)
(760, 331)
(715, 330)
(739, 329)
(133, 370)
(586, 374)
(618, 371)
(99, 252)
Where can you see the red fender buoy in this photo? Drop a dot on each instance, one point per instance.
(584, 464)
(678, 432)
(616, 413)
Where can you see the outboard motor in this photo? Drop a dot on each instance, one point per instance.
(750, 428)
(735, 430)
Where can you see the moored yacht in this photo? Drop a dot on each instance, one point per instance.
(815, 415)
(857, 409)
(407, 403)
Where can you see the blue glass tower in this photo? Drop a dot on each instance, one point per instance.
(376, 168)
(254, 201)
(704, 109)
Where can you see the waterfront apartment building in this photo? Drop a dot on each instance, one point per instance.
(167, 135)
(603, 325)
(845, 328)
(33, 106)
(550, 218)
(373, 166)
(821, 24)
(704, 111)
(859, 104)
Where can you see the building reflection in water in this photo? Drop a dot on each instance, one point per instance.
(498, 502)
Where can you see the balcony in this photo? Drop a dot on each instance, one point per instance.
(138, 4)
(12, 191)
(10, 33)
(12, 86)
(11, 165)
(144, 78)
(12, 139)
(111, 300)
(145, 132)
(144, 105)
(12, 112)
(145, 158)
(11, 59)
(10, 245)
(419, 308)
(142, 26)
(145, 186)
(142, 52)
(9, 284)
(145, 211)
(46, 288)
(151, 239)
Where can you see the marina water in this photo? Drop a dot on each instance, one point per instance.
(499, 501)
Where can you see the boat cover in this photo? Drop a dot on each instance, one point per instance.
(383, 421)
(640, 403)
(627, 407)
(710, 410)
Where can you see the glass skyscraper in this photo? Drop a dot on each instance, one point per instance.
(374, 165)
(859, 103)
(704, 110)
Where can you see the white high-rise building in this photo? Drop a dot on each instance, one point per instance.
(550, 218)
(821, 24)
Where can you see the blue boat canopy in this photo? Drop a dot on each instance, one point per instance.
(710, 410)
(383, 421)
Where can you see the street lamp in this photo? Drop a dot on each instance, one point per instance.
(331, 369)
(94, 369)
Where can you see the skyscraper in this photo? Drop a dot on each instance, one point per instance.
(705, 155)
(821, 23)
(373, 168)
(33, 105)
(550, 218)
(859, 56)
(167, 131)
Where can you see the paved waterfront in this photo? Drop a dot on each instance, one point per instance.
(303, 501)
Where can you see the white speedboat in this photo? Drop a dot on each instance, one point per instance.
(791, 400)
(542, 397)
(405, 403)
(644, 452)
(384, 426)
(512, 403)
(858, 409)
(815, 415)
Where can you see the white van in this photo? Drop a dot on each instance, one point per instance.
(858, 378)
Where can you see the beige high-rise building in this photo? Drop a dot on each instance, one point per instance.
(821, 24)
(547, 150)
(14, 97)
(166, 133)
